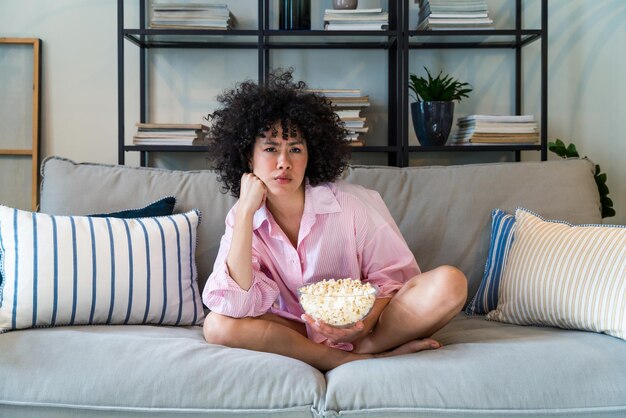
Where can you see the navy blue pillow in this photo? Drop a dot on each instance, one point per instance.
(162, 207)
(502, 235)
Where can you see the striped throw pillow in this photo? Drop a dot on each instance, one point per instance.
(502, 231)
(78, 270)
(565, 276)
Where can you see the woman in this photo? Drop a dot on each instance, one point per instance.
(280, 149)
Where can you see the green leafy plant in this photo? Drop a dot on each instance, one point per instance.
(438, 89)
(569, 151)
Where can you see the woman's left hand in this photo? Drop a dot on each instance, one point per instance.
(338, 335)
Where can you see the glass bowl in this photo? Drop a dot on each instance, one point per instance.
(335, 307)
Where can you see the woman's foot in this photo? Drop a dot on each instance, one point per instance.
(413, 346)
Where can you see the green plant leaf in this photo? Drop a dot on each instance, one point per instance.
(601, 177)
(603, 189)
(606, 201)
(607, 212)
(557, 148)
(571, 151)
(440, 88)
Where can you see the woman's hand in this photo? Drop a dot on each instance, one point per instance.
(252, 192)
(339, 335)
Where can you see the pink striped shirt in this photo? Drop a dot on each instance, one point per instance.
(345, 231)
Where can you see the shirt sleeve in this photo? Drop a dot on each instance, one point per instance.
(223, 295)
(386, 260)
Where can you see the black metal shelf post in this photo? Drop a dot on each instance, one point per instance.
(398, 41)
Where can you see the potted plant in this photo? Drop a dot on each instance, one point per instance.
(433, 108)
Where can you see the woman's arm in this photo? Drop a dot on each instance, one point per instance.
(239, 259)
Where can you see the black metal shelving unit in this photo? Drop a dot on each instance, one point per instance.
(397, 41)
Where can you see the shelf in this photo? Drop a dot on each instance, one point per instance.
(474, 148)
(249, 39)
(400, 45)
(193, 38)
(469, 39)
(166, 148)
(375, 149)
(202, 148)
(324, 39)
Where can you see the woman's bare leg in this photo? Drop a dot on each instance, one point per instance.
(270, 333)
(424, 305)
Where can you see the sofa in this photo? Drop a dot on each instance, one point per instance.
(485, 368)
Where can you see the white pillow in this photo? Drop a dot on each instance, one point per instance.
(565, 276)
(78, 270)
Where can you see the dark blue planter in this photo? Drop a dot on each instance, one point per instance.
(432, 121)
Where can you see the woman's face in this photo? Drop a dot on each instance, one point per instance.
(280, 163)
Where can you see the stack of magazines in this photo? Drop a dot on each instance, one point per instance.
(173, 15)
(348, 104)
(453, 14)
(356, 19)
(170, 134)
(492, 129)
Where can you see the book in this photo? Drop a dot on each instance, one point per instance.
(360, 18)
(356, 19)
(481, 123)
(336, 92)
(498, 138)
(169, 141)
(499, 118)
(348, 113)
(352, 11)
(356, 143)
(458, 15)
(191, 16)
(170, 134)
(351, 105)
(353, 124)
(349, 99)
(152, 125)
(352, 26)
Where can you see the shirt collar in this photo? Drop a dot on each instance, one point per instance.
(318, 199)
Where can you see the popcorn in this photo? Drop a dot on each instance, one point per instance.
(340, 302)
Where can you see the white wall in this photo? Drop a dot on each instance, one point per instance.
(587, 86)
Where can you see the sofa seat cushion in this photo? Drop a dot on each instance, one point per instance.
(137, 370)
(489, 368)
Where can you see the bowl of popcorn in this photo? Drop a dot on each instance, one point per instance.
(340, 303)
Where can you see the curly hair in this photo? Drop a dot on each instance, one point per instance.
(250, 109)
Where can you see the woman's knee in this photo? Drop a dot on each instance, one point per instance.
(219, 329)
(454, 285)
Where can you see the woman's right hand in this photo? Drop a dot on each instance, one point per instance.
(252, 192)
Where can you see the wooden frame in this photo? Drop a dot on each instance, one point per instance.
(33, 151)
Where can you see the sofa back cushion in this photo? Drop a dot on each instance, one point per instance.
(69, 188)
(444, 213)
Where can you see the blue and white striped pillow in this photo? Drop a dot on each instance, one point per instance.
(78, 270)
(502, 231)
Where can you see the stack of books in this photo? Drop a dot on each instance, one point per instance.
(491, 129)
(173, 15)
(356, 19)
(170, 134)
(348, 105)
(453, 14)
